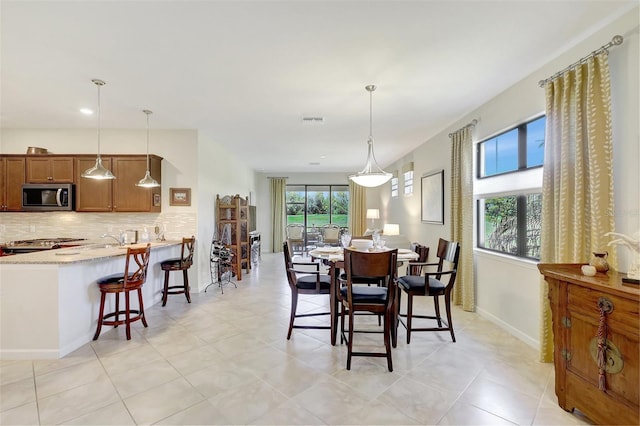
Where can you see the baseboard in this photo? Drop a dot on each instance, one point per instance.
(511, 330)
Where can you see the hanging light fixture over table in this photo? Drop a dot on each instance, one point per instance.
(372, 175)
(147, 181)
(98, 171)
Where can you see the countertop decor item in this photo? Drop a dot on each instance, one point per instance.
(372, 175)
(34, 150)
(98, 171)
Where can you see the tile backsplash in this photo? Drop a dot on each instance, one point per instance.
(27, 226)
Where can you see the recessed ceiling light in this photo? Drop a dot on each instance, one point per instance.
(312, 119)
(313, 163)
(86, 111)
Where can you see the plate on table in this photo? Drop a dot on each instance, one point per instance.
(328, 250)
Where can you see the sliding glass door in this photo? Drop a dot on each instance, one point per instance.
(316, 205)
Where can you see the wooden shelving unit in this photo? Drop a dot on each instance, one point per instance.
(232, 225)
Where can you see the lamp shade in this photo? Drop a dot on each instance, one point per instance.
(373, 214)
(391, 229)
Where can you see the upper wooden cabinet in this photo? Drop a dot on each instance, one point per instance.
(120, 194)
(11, 179)
(50, 169)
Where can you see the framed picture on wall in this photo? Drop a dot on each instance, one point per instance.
(180, 196)
(432, 198)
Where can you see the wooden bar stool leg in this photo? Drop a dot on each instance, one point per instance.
(185, 277)
(117, 312)
(143, 317)
(127, 314)
(165, 292)
(100, 315)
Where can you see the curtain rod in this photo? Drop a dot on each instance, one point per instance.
(471, 124)
(615, 41)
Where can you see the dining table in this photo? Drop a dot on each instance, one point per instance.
(333, 257)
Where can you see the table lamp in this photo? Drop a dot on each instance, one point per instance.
(373, 214)
(391, 229)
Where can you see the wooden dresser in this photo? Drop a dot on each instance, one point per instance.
(582, 308)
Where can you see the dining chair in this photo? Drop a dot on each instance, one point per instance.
(415, 267)
(331, 234)
(295, 236)
(431, 284)
(304, 278)
(374, 300)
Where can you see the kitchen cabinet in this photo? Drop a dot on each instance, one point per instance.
(50, 169)
(582, 310)
(232, 225)
(119, 194)
(12, 174)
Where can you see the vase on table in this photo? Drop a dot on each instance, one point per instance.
(599, 261)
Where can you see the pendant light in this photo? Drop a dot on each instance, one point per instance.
(147, 181)
(98, 171)
(372, 175)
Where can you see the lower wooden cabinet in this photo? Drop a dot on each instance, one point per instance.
(120, 194)
(12, 174)
(582, 309)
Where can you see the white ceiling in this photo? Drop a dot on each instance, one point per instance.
(244, 73)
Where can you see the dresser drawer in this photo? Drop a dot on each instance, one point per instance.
(585, 300)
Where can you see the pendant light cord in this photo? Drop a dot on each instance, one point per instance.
(98, 83)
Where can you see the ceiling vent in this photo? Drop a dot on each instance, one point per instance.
(312, 119)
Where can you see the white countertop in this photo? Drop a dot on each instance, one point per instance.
(87, 252)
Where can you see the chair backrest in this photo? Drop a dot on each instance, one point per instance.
(448, 251)
(186, 253)
(382, 265)
(295, 231)
(331, 233)
(288, 265)
(423, 255)
(135, 267)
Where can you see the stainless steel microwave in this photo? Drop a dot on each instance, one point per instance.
(47, 197)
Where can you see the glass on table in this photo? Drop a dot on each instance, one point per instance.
(345, 239)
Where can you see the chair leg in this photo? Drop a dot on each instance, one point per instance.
(292, 317)
(409, 316)
(350, 342)
(387, 339)
(165, 292)
(342, 312)
(117, 316)
(143, 317)
(447, 305)
(436, 304)
(100, 315)
(127, 314)
(185, 277)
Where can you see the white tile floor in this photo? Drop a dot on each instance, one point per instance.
(224, 359)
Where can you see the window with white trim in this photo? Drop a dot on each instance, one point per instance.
(407, 175)
(394, 186)
(508, 189)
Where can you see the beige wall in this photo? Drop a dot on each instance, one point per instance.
(507, 289)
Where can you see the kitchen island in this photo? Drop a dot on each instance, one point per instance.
(49, 300)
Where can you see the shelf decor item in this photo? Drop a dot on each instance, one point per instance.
(180, 196)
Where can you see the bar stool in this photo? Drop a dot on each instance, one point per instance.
(135, 274)
(182, 263)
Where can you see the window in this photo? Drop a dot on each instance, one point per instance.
(511, 224)
(408, 183)
(394, 186)
(519, 148)
(509, 207)
(317, 205)
(407, 174)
